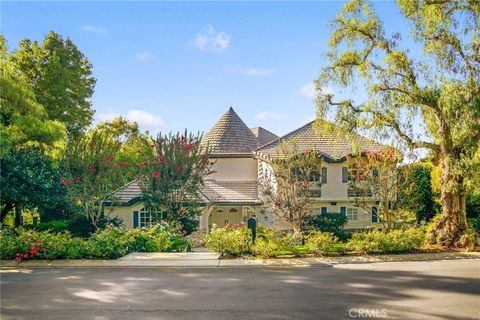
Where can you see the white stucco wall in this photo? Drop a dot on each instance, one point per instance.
(235, 169)
(126, 213)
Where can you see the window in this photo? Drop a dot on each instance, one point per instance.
(344, 174)
(357, 173)
(324, 175)
(352, 214)
(324, 210)
(233, 210)
(374, 214)
(149, 217)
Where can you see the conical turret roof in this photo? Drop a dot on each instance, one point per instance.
(230, 135)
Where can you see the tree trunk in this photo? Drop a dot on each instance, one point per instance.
(5, 210)
(452, 229)
(18, 216)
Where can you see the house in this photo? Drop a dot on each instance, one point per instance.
(241, 159)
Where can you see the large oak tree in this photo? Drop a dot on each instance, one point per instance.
(440, 88)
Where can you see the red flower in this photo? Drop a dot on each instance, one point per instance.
(25, 255)
(156, 174)
(188, 147)
(307, 151)
(141, 165)
(160, 158)
(63, 182)
(77, 178)
(18, 259)
(33, 250)
(37, 241)
(178, 169)
(70, 183)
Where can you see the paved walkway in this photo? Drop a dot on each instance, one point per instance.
(207, 259)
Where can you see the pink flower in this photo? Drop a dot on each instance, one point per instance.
(63, 182)
(37, 241)
(77, 179)
(178, 169)
(156, 174)
(188, 147)
(307, 151)
(70, 183)
(160, 158)
(18, 259)
(25, 255)
(33, 251)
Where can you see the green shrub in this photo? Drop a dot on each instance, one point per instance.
(328, 222)
(159, 238)
(55, 226)
(271, 243)
(111, 242)
(320, 242)
(229, 241)
(376, 241)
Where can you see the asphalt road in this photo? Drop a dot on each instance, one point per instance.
(394, 290)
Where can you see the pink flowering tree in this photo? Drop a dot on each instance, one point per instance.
(375, 180)
(172, 176)
(295, 183)
(91, 171)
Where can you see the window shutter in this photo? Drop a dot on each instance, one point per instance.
(324, 175)
(343, 210)
(344, 174)
(324, 210)
(135, 219)
(374, 214)
(375, 172)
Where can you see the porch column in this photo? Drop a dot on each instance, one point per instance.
(204, 218)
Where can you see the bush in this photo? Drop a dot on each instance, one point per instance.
(197, 238)
(376, 241)
(320, 242)
(271, 243)
(55, 226)
(328, 222)
(229, 241)
(111, 242)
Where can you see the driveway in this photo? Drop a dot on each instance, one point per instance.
(392, 290)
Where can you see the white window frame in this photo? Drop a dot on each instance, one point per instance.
(352, 214)
(147, 217)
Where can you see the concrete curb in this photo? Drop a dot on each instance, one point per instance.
(163, 260)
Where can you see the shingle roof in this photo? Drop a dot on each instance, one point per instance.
(230, 135)
(333, 145)
(231, 191)
(212, 191)
(263, 136)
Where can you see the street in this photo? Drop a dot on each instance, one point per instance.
(394, 290)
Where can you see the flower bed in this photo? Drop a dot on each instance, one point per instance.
(108, 243)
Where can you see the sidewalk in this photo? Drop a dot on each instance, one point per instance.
(211, 260)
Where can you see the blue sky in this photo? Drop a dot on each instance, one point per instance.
(171, 66)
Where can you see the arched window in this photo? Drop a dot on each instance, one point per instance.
(150, 216)
(233, 210)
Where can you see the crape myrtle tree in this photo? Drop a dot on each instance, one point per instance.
(440, 89)
(91, 172)
(296, 180)
(375, 180)
(171, 177)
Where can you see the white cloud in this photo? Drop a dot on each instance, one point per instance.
(269, 115)
(94, 29)
(144, 56)
(309, 91)
(211, 40)
(145, 119)
(251, 72)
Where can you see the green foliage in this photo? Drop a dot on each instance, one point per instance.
(473, 205)
(328, 222)
(109, 243)
(377, 241)
(55, 226)
(271, 243)
(229, 241)
(171, 177)
(320, 242)
(61, 78)
(30, 179)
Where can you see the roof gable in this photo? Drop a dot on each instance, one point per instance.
(334, 145)
(263, 136)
